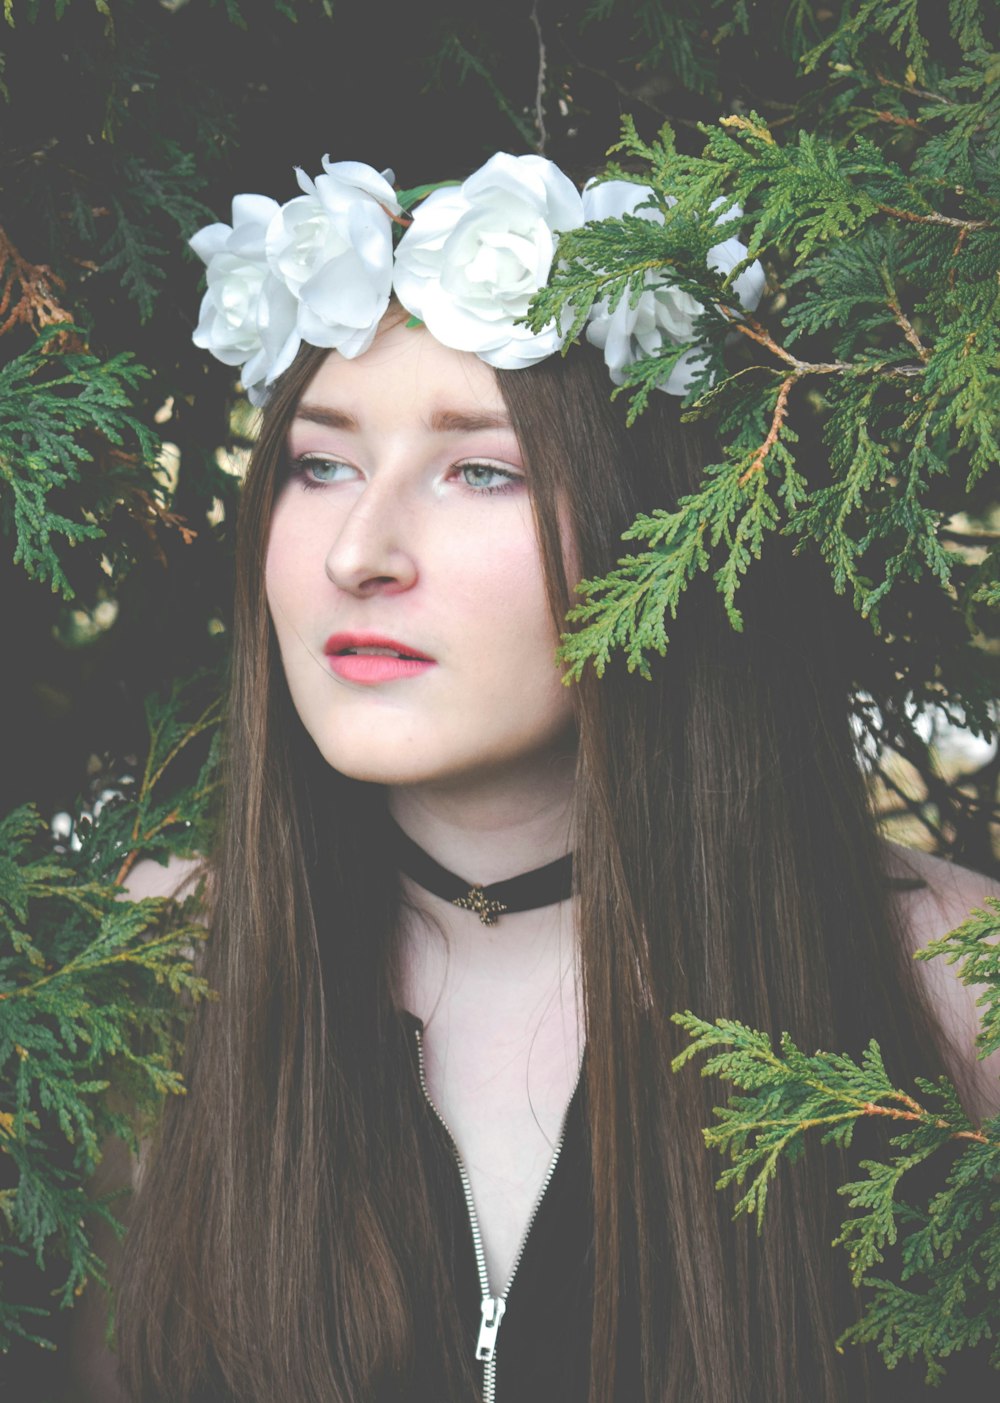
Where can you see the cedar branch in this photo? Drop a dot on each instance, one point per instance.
(912, 90)
(894, 118)
(749, 326)
(934, 218)
(901, 319)
(777, 419)
(37, 305)
(869, 1108)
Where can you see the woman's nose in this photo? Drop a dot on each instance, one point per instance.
(372, 550)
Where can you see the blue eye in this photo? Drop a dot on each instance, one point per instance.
(509, 480)
(313, 472)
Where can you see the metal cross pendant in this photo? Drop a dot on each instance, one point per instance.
(476, 900)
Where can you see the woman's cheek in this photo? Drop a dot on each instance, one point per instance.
(294, 548)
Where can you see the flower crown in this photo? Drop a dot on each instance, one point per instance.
(321, 268)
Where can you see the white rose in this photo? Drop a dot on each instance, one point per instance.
(663, 313)
(474, 256)
(331, 247)
(247, 317)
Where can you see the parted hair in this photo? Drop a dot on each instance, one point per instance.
(727, 861)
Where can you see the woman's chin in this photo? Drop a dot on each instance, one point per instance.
(419, 766)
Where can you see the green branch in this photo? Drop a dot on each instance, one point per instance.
(951, 1244)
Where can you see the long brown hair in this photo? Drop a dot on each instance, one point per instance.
(726, 861)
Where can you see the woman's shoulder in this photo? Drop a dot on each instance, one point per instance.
(177, 878)
(942, 895)
(945, 899)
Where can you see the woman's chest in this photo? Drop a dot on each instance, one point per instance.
(505, 1114)
(531, 1238)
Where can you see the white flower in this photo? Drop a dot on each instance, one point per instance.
(474, 256)
(663, 313)
(331, 247)
(247, 316)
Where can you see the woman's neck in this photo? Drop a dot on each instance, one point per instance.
(487, 832)
(496, 826)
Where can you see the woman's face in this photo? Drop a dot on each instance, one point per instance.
(406, 517)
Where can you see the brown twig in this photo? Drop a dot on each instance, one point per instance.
(540, 81)
(777, 419)
(896, 121)
(749, 326)
(914, 92)
(154, 515)
(870, 1108)
(126, 867)
(907, 327)
(934, 218)
(131, 857)
(37, 305)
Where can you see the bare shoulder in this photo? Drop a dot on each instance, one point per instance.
(178, 878)
(928, 912)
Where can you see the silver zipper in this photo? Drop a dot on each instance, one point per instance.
(492, 1307)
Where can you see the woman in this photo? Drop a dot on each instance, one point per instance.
(434, 1150)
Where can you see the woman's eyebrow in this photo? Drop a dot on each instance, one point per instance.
(330, 418)
(455, 421)
(442, 420)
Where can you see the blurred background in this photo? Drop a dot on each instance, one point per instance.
(125, 127)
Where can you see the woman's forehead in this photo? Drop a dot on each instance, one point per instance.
(405, 373)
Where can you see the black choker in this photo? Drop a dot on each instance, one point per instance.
(542, 887)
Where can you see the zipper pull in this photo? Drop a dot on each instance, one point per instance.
(492, 1308)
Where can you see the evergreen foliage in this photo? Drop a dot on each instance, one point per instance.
(908, 393)
(856, 413)
(51, 402)
(94, 991)
(945, 1298)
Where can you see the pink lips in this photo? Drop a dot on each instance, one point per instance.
(368, 668)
